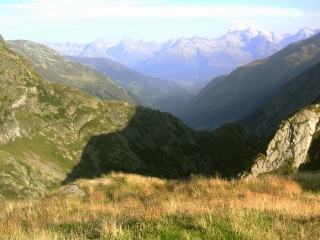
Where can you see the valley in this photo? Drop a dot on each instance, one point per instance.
(53, 134)
(92, 149)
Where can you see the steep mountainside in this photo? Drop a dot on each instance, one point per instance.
(248, 87)
(56, 68)
(156, 93)
(296, 94)
(51, 133)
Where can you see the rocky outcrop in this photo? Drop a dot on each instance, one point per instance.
(288, 149)
(10, 131)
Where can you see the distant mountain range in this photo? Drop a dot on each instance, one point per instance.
(191, 62)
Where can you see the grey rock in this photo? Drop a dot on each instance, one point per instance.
(290, 144)
(73, 190)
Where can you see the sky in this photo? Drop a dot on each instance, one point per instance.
(83, 21)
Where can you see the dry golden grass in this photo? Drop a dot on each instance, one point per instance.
(132, 206)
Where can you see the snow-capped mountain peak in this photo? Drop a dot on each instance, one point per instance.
(103, 43)
(307, 32)
(244, 34)
(302, 34)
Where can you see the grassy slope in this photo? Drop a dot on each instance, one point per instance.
(44, 127)
(122, 206)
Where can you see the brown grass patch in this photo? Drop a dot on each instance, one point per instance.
(132, 206)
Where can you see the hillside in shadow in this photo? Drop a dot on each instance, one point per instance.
(159, 145)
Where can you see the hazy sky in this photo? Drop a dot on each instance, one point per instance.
(158, 20)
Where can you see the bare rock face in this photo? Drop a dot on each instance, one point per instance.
(288, 149)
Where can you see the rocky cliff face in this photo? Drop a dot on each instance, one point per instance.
(289, 149)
